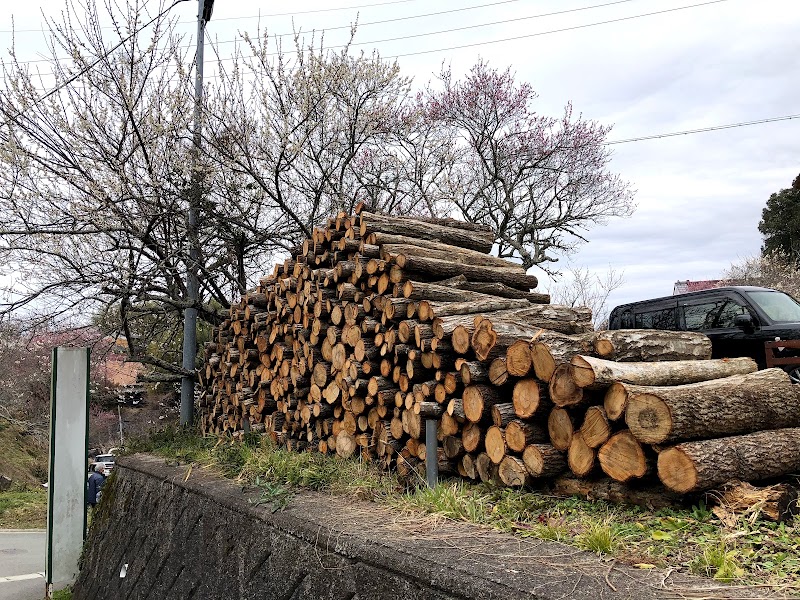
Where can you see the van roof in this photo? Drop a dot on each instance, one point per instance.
(738, 288)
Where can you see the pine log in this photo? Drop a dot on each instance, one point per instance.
(622, 457)
(597, 373)
(703, 464)
(721, 407)
(550, 348)
(542, 460)
(645, 345)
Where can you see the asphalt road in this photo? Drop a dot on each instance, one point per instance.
(22, 555)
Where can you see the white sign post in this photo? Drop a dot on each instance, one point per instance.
(69, 445)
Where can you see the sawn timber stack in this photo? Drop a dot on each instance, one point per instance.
(379, 322)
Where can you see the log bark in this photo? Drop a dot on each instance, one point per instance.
(416, 230)
(721, 407)
(646, 345)
(447, 252)
(488, 304)
(434, 268)
(523, 433)
(434, 292)
(597, 373)
(512, 471)
(550, 348)
(703, 464)
(653, 497)
(542, 460)
(503, 291)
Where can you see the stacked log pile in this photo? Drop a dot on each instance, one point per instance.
(377, 323)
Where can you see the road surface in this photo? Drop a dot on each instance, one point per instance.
(22, 555)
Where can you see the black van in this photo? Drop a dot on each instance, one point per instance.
(737, 319)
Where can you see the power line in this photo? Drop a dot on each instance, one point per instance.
(286, 14)
(396, 19)
(703, 129)
(576, 27)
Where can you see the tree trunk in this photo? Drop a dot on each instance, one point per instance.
(644, 345)
(591, 372)
(721, 407)
(704, 464)
(433, 292)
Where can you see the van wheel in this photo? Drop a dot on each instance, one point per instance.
(794, 373)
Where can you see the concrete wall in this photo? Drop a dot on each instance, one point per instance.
(184, 533)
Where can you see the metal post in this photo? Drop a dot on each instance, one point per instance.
(192, 284)
(431, 457)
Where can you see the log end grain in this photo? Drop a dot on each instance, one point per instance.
(560, 428)
(563, 389)
(622, 457)
(649, 418)
(677, 470)
(615, 401)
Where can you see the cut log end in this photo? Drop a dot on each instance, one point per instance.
(615, 401)
(677, 470)
(649, 418)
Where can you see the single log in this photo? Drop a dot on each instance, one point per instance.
(518, 358)
(523, 433)
(595, 428)
(495, 442)
(560, 428)
(512, 471)
(563, 389)
(592, 372)
(472, 437)
(502, 414)
(528, 396)
(473, 372)
(622, 457)
(449, 253)
(703, 464)
(498, 374)
(453, 446)
(399, 230)
(580, 457)
(435, 268)
(721, 407)
(645, 345)
(503, 291)
(487, 470)
(345, 444)
(434, 292)
(468, 466)
(551, 348)
(653, 497)
(542, 460)
(478, 400)
(488, 304)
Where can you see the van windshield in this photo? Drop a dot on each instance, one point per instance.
(779, 307)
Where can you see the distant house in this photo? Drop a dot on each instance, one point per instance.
(682, 287)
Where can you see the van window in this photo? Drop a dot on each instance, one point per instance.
(626, 322)
(656, 319)
(712, 315)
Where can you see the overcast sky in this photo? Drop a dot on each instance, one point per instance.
(699, 196)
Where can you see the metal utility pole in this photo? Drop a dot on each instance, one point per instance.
(204, 9)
